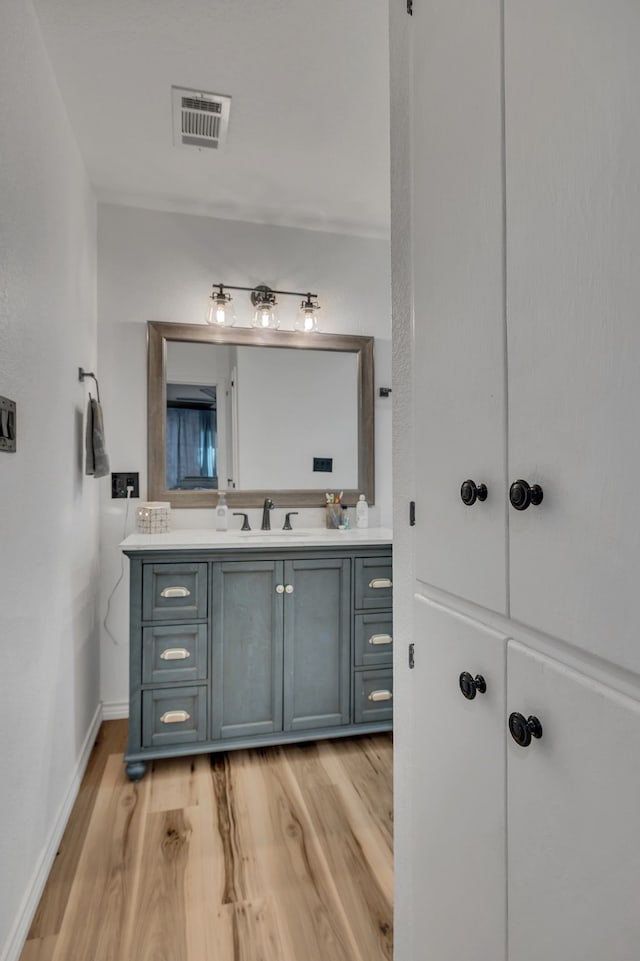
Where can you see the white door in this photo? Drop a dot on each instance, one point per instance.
(574, 826)
(456, 779)
(573, 305)
(457, 210)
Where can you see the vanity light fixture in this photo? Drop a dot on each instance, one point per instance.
(219, 309)
(265, 317)
(307, 320)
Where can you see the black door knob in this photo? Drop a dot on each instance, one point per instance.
(522, 728)
(470, 685)
(470, 492)
(521, 494)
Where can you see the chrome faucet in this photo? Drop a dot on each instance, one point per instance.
(266, 520)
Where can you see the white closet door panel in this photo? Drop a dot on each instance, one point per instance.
(454, 768)
(573, 307)
(460, 430)
(574, 831)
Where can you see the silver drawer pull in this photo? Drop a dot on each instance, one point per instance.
(175, 717)
(379, 582)
(175, 654)
(380, 639)
(175, 592)
(380, 696)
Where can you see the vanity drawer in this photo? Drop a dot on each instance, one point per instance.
(373, 696)
(373, 583)
(174, 591)
(174, 654)
(174, 715)
(373, 645)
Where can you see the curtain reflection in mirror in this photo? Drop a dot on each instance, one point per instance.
(191, 438)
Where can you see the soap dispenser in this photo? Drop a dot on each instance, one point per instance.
(362, 513)
(222, 512)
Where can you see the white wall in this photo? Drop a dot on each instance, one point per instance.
(49, 686)
(161, 266)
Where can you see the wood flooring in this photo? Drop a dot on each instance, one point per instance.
(275, 854)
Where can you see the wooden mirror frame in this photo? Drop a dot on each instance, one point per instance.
(159, 334)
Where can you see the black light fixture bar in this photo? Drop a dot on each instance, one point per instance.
(261, 287)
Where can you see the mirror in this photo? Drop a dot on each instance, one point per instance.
(258, 413)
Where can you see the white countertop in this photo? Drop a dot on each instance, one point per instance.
(304, 537)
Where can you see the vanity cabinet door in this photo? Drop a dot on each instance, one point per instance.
(247, 633)
(317, 614)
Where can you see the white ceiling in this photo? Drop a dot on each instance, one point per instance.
(308, 133)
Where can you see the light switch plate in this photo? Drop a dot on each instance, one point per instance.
(7, 424)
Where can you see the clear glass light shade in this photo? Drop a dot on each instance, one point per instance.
(266, 317)
(307, 319)
(220, 312)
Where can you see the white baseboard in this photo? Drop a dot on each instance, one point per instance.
(18, 935)
(114, 710)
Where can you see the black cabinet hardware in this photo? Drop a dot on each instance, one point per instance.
(470, 685)
(521, 494)
(522, 728)
(470, 492)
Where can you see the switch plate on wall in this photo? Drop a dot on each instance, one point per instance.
(120, 482)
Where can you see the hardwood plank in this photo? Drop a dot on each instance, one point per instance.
(100, 896)
(217, 868)
(39, 949)
(367, 903)
(158, 905)
(242, 880)
(311, 918)
(362, 766)
(111, 739)
(244, 931)
(173, 784)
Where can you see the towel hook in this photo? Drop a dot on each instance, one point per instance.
(82, 373)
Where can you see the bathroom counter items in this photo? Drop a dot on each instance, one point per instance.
(245, 639)
(224, 540)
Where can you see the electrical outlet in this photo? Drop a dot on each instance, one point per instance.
(324, 464)
(120, 482)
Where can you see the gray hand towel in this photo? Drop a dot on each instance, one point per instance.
(97, 463)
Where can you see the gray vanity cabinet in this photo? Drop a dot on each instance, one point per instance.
(247, 648)
(317, 631)
(373, 640)
(280, 651)
(242, 648)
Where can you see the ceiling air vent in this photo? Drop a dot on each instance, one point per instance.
(199, 119)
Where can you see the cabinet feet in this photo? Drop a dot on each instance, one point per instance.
(135, 770)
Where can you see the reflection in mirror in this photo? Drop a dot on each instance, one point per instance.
(198, 428)
(192, 437)
(259, 417)
(258, 413)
